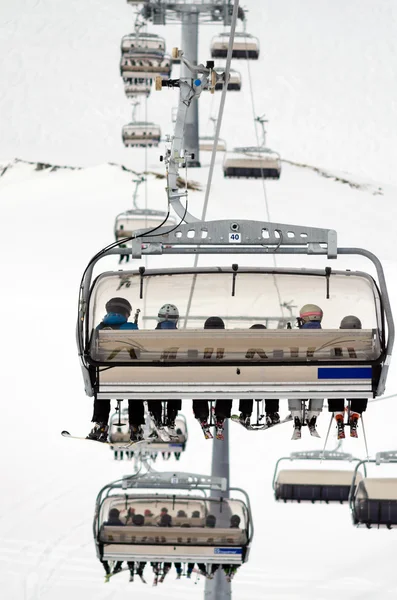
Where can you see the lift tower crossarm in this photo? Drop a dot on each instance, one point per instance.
(175, 156)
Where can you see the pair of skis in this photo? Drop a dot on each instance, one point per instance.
(110, 575)
(236, 419)
(115, 445)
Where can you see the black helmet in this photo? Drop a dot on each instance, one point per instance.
(120, 306)
(258, 326)
(214, 323)
(138, 520)
(210, 521)
(114, 513)
(235, 521)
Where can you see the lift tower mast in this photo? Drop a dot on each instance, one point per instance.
(190, 14)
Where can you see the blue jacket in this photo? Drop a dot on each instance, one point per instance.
(116, 321)
(166, 325)
(311, 325)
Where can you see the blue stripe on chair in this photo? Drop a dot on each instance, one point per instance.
(348, 373)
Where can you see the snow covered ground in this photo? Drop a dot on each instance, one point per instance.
(61, 102)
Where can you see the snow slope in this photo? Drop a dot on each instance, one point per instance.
(326, 81)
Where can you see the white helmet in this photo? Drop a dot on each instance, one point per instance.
(350, 322)
(310, 312)
(168, 312)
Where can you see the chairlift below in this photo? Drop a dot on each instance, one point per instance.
(207, 144)
(145, 64)
(315, 485)
(234, 83)
(245, 46)
(373, 503)
(119, 432)
(143, 42)
(137, 86)
(141, 133)
(140, 218)
(172, 517)
(252, 162)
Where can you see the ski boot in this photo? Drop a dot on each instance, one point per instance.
(206, 429)
(354, 417)
(311, 423)
(178, 575)
(171, 429)
(118, 567)
(131, 577)
(272, 419)
(297, 433)
(219, 430)
(340, 427)
(99, 432)
(245, 420)
(136, 433)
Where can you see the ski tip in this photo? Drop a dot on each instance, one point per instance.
(65, 433)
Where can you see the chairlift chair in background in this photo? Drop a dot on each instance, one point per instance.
(234, 83)
(315, 485)
(373, 502)
(141, 134)
(143, 42)
(187, 538)
(245, 46)
(252, 162)
(137, 86)
(145, 64)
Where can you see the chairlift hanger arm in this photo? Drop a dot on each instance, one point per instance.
(175, 156)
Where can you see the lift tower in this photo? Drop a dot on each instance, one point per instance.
(190, 14)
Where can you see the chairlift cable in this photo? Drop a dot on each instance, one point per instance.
(267, 209)
(215, 145)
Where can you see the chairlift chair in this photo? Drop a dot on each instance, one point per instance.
(141, 134)
(315, 485)
(234, 83)
(373, 502)
(145, 64)
(245, 46)
(252, 162)
(188, 539)
(139, 218)
(143, 42)
(206, 144)
(137, 86)
(119, 432)
(207, 364)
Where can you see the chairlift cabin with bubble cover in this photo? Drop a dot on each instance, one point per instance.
(321, 484)
(141, 133)
(144, 42)
(137, 86)
(234, 83)
(139, 218)
(145, 65)
(198, 526)
(245, 46)
(252, 162)
(196, 363)
(373, 502)
(119, 433)
(206, 144)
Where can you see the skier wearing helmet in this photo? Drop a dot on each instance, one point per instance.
(310, 317)
(167, 318)
(358, 405)
(118, 311)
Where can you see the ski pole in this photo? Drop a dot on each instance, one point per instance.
(326, 439)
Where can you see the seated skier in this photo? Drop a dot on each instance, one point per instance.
(271, 406)
(357, 405)
(222, 407)
(167, 318)
(118, 311)
(231, 570)
(310, 317)
(114, 520)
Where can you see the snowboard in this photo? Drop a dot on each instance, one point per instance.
(236, 419)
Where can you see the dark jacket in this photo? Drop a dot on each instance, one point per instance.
(312, 325)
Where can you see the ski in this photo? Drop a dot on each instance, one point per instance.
(111, 574)
(142, 579)
(206, 431)
(236, 419)
(116, 445)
